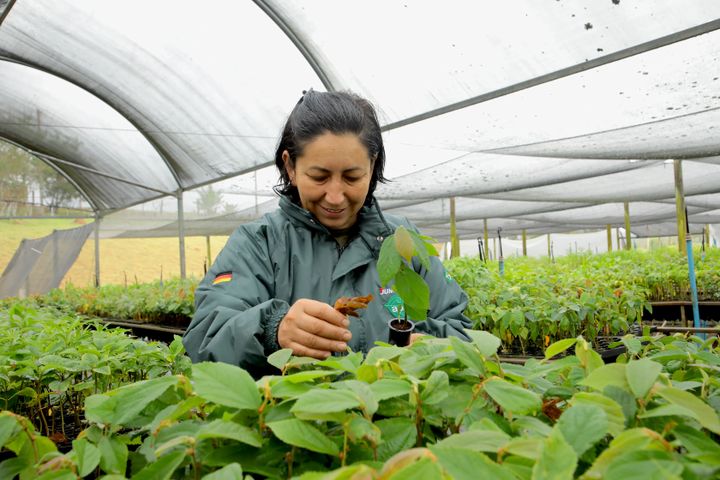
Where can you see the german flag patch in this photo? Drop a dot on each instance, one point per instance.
(222, 278)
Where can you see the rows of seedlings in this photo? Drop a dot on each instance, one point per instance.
(441, 408)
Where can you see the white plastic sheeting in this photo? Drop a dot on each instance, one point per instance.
(542, 116)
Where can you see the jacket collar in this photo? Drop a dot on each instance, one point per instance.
(361, 249)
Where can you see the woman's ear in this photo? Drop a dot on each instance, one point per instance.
(289, 167)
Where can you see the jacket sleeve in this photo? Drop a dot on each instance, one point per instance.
(236, 317)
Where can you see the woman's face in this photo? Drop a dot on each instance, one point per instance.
(332, 177)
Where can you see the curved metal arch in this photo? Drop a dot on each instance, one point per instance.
(6, 10)
(163, 156)
(39, 156)
(563, 72)
(309, 56)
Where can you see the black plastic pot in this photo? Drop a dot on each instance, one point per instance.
(398, 335)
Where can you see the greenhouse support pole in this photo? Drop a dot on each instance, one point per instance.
(680, 205)
(707, 235)
(454, 241)
(628, 243)
(209, 252)
(524, 242)
(97, 249)
(549, 246)
(486, 237)
(501, 260)
(181, 232)
(55, 255)
(609, 237)
(693, 284)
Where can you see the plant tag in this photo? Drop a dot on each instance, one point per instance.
(395, 306)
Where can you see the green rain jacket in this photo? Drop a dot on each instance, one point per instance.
(269, 264)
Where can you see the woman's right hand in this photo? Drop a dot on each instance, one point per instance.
(313, 329)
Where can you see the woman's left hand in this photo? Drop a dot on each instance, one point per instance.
(415, 336)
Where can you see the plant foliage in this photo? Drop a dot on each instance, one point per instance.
(430, 411)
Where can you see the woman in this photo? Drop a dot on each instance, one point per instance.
(272, 285)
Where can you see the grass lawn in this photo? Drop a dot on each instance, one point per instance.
(121, 260)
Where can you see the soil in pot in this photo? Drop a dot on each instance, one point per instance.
(400, 331)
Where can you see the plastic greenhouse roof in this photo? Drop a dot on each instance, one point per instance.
(543, 116)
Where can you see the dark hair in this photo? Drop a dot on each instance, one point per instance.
(330, 112)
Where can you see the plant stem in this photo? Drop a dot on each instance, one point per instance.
(418, 416)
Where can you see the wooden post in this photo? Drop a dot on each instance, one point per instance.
(707, 235)
(454, 241)
(181, 232)
(209, 252)
(524, 241)
(549, 250)
(97, 249)
(628, 240)
(486, 238)
(609, 237)
(680, 206)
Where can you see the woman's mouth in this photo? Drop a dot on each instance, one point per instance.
(333, 211)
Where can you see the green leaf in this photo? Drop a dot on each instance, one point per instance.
(383, 353)
(699, 446)
(360, 428)
(8, 427)
(476, 440)
(486, 342)
(414, 292)
(279, 358)
(557, 459)
(398, 434)
(670, 410)
(420, 249)
(512, 398)
(613, 410)
(641, 375)
(310, 375)
(706, 415)
(641, 465)
(422, 469)
(232, 471)
(301, 434)
(363, 392)
(113, 455)
(122, 405)
(610, 374)
(226, 385)
(389, 261)
(436, 388)
(323, 400)
(589, 358)
(525, 447)
(162, 468)
(13, 466)
(583, 426)
(559, 347)
(389, 387)
(626, 441)
(87, 456)
(468, 355)
(231, 430)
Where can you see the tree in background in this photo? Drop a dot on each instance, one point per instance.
(26, 182)
(209, 201)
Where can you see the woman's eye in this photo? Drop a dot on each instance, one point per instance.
(352, 179)
(317, 179)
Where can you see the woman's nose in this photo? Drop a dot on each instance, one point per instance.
(335, 194)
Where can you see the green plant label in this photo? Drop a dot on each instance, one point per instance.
(395, 306)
